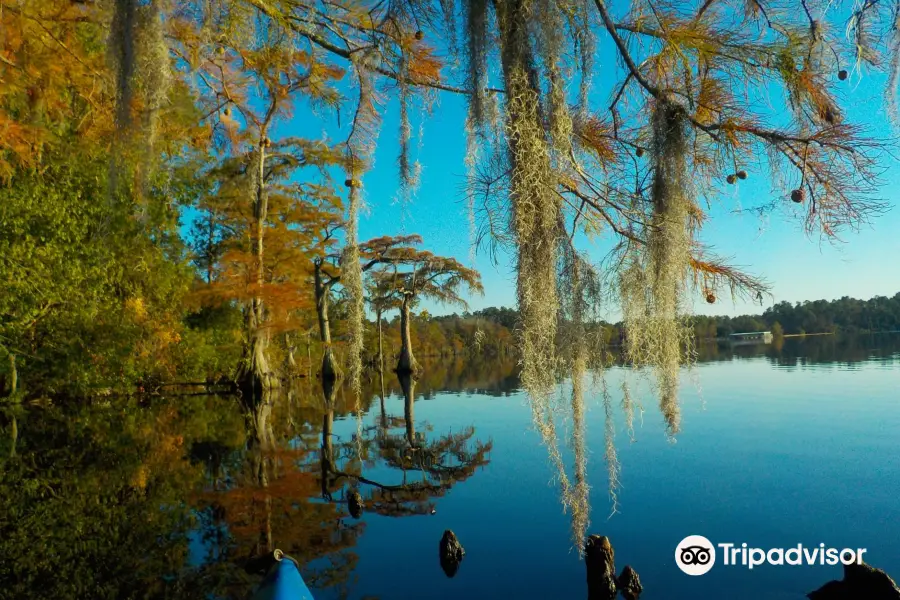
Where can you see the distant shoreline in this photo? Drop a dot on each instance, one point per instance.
(803, 335)
(787, 335)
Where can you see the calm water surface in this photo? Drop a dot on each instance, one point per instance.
(168, 497)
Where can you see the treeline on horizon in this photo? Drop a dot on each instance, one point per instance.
(845, 315)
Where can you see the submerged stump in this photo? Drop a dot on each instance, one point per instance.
(451, 553)
(630, 584)
(602, 582)
(356, 505)
(860, 581)
(599, 558)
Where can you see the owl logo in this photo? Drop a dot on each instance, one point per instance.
(695, 555)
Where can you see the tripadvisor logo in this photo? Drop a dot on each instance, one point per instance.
(696, 555)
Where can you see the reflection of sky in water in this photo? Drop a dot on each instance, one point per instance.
(768, 455)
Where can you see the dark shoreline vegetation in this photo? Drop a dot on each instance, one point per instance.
(207, 341)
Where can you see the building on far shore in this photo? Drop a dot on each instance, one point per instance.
(753, 337)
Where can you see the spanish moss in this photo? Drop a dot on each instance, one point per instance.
(535, 207)
(613, 468)
(894, 73)
(628, 409)
(407, 177)
(580, 496)
(653, 284)
(551, 36)
(586, 43)
(352, 281)
(154, 67)
(360, 147)
(122, 55)
(471, 162)
(544, 421)
(476, 15)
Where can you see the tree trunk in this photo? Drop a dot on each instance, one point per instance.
(383, 412)
(256, 375)
(13, 375)
(407, 363)
(602, 583)
(291, 361)
(408, 384)
(327, 450)
(330, 369)
(599, 559)
(308, 357)
(380, 344)
(14, 434)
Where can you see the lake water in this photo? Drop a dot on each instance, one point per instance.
(168, 497)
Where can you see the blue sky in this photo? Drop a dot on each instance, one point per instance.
(776, 248)
(797, 267)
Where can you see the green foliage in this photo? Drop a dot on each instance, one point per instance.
(92, 291)
(94, 497)
(777, 330)
(845, 315)
(469, 334)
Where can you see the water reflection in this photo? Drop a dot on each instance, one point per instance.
(814, 350)
(172, 496)
(421, 469)
(789, 353)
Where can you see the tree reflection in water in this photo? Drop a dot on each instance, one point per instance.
(200, 484)
(427, 468)
(293, 484)
(171, 496)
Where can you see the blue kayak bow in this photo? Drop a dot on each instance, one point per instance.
(283, 581)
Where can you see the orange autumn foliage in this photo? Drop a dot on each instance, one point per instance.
(51, 80)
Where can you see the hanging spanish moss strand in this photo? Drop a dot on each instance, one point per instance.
(634, 300)
(407, 182)
(628, 409)
(476, 15)
(552, 35)
(351, 278)
(894, 71)
(613, 468)
(579, 292)
(535, 206)
(653, 284)
(122, 55)
(154, 67)
(581, 25)
(449, 23)
(471, 162)
(543, 417)
(575, 290)
(581, 508)
(669, 241)
(360, 146)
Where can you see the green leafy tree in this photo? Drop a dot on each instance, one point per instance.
(415, 274)
(777, 330)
